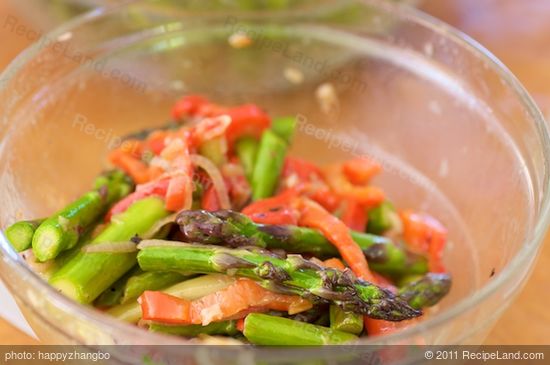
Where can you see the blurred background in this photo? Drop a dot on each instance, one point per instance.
(517, 32)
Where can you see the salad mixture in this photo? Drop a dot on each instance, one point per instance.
(207, 227)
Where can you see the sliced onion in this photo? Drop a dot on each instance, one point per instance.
(111, 247)
(159, 225)
(161, 243)
(216, 177)
(210, 128)
(158, 161)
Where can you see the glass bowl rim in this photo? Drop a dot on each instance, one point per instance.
(404, 13)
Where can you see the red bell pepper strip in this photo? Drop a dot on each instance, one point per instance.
(354, 215)
(301, 170)
(369, 196)
(235, 301)
(240, 324)
(274, 210)
(210, 200)
(133, 166)
(189, 105)
(360, 171)
(246, 120)
(305, 177)
(314, 216)
(237, 184)
(179, 194)
(156, 188)
(156, 142)
(425, 234)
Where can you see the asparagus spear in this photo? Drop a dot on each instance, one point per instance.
(113, 295)
(426, 291)
(284, 127)
(269, 165)
(189, 289)
(88, 274)
(234, 229)
(68, 255)
(263, 329)
(143, 281)
(247, 149)
(20, 234)
(381, 218)
(135, 282)
(62, 231)
(228, 328)
(345, 321)
(293, 275)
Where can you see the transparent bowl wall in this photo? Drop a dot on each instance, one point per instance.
(49, 13)
(457, 135)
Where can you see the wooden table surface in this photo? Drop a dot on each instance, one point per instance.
(518, 32)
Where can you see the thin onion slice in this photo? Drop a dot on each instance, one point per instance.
(111, 247)
(216, 177)
(159, 225)
(161, 243)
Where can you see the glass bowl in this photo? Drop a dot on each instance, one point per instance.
(457, 134)
(47, 14)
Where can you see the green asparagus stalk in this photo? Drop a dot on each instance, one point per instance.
(247, 149)
(88, 274)
(113, 295)
(293, 275)
(141, 282)
(405, 280)
(341, 320)
(234, 229)
(263, 329)
(269, 165)
(62, 231)
(189, 289)
(426, 291)
(228, 328)
(68, 255)
(135, 282)
(20, 234)
(381, 218)
(284, 127)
